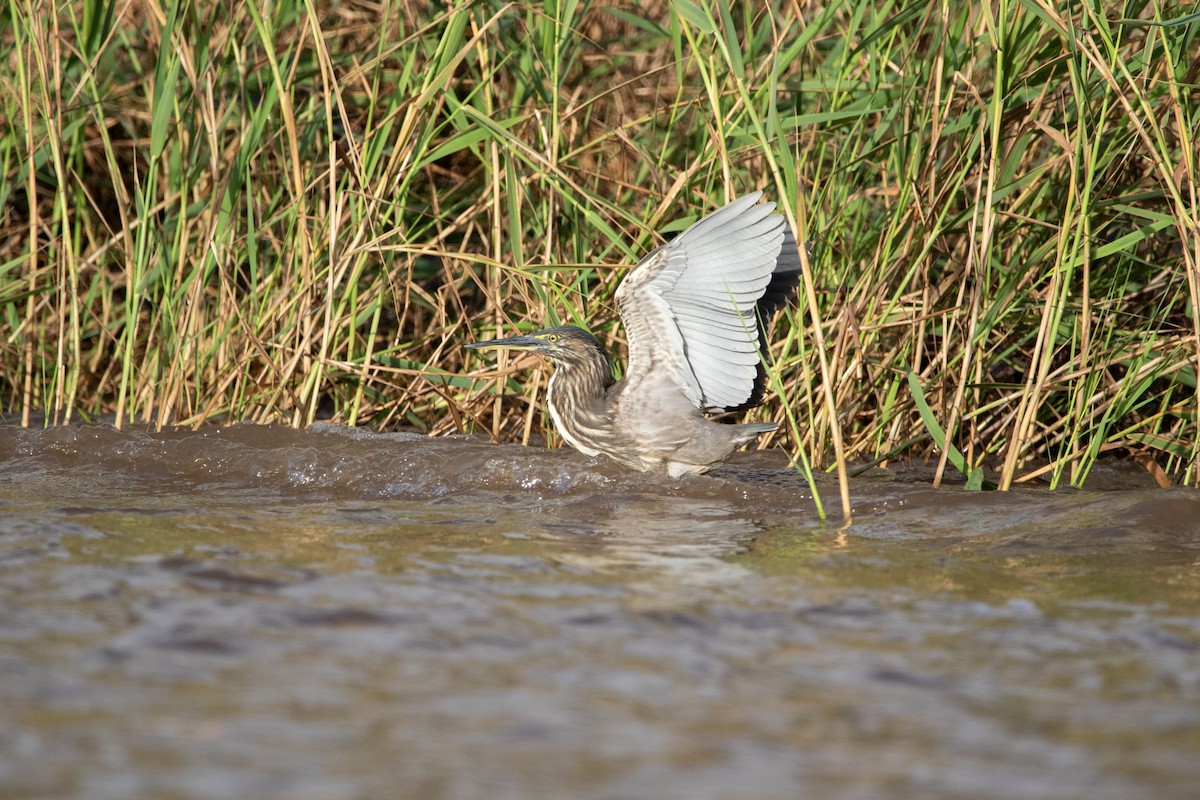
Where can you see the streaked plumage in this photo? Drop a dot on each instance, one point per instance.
(693, 312)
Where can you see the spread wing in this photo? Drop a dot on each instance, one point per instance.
(690, 308)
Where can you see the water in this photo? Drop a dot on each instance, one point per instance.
(259, 612)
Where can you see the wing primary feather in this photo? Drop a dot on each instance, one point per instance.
(715, 285)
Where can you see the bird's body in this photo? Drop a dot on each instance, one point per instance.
(693, 312)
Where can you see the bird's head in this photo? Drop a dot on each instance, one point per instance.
(565, 346)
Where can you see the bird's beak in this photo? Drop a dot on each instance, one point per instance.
(512, 343)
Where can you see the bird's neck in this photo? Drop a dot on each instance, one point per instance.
(576, 397)
(582, 382)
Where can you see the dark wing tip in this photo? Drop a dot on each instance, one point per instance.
(785, 280)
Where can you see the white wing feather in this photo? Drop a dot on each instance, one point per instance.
(689, 306)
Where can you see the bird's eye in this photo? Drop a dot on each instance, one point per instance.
(552, 338)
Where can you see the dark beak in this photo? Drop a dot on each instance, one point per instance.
(512, 343)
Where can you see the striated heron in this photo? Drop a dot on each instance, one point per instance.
(694, 312)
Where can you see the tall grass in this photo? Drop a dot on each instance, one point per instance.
(295, 210)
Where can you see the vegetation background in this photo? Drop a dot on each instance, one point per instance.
(301, 209)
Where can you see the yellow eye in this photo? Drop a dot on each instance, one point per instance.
(552, 338)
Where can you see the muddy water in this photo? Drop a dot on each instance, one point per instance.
(256, 612)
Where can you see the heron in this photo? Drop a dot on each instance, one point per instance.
(695, 312)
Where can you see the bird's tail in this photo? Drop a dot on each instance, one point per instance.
(751, 431)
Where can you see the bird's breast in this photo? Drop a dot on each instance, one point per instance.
(579, 415)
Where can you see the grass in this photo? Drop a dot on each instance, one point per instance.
(291, 211)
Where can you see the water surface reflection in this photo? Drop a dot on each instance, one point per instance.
(257, 612)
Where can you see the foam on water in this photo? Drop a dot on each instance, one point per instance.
(254, 611)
